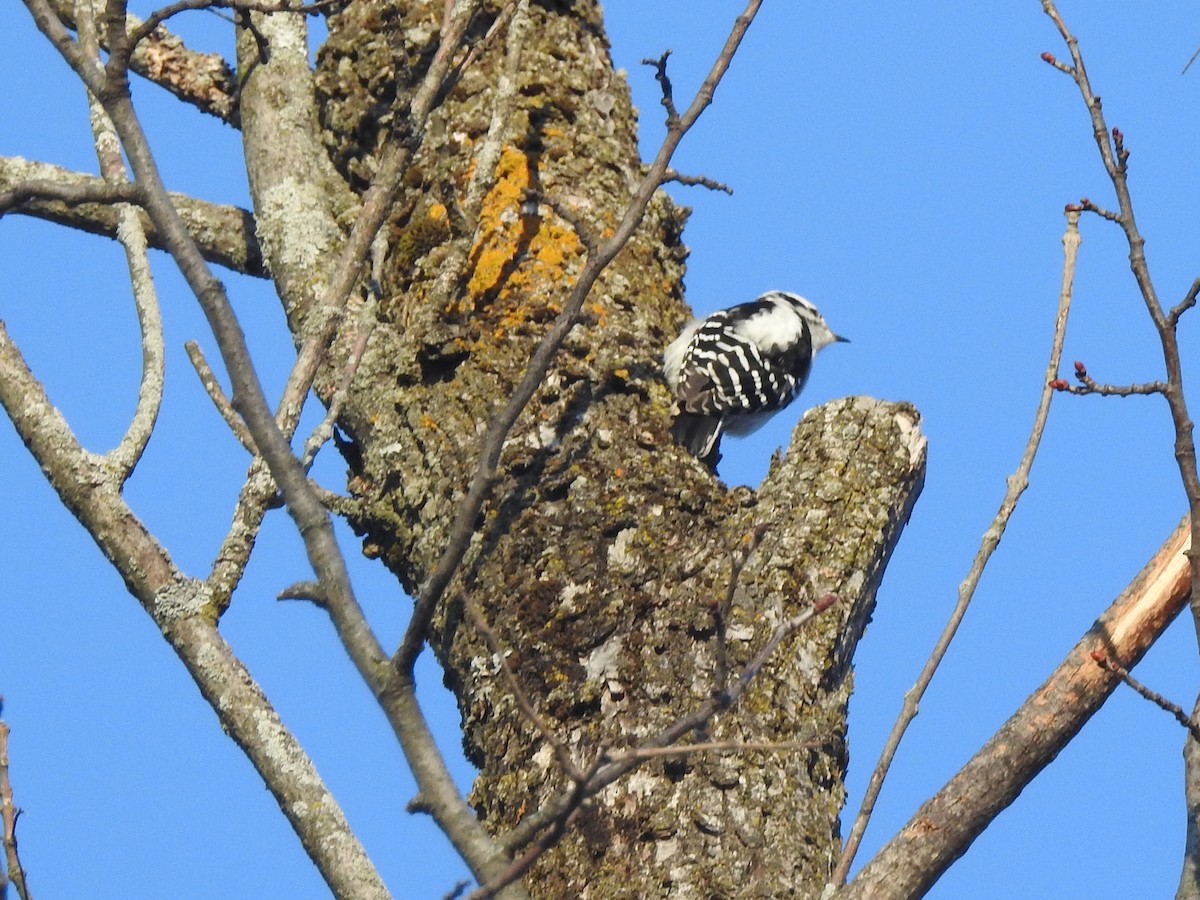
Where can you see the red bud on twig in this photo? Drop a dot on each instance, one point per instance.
(1049, 57)
(1080, 369)
(1099, 656)
(825, 602)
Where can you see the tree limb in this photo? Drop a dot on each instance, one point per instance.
(181, 608)
(946, 824)
(203, 80)
(125, 456)
(225, 234)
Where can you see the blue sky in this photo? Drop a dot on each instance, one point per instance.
(903, 168)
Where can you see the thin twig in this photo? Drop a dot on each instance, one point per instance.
(520, 696)
(70, 193)
(645, 753)
(738, 557)
(477, 49)
(697, 181)
(524, 862)
(664, 83)
(324, 431)
(430, 593)
(212, 387)
(1088, 206)
(1185, 304)
(9, 815)
(1191, 59)
(1110, 665)
(1088, 385)
(1017, 483)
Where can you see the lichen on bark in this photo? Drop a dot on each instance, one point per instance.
(604, 548)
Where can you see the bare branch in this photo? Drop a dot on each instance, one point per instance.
(9, 813)
(1088, 206)
(664, 82)
(225, 234)
(945, 825)
(1088, 385)
(697, 180)
(1185, 304)
(324, 431)
(1017, 483)
(212, 387)
(70, 193)
(1102, 659)
(1115, 156)
(182, 610)
(130, 233)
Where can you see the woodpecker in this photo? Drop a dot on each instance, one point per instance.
(734, 369)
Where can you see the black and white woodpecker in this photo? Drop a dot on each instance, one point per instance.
(734, 369)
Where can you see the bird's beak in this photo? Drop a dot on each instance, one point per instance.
(840, 339)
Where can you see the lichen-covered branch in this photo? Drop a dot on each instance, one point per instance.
(204, 80)
(181, 608)
(224, 234)
(125, 456)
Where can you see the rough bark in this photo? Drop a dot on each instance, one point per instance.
(605, 548)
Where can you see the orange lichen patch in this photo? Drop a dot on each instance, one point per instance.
(516, 256)
(437, 211)
(428, 421)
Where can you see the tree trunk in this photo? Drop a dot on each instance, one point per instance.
(605, 550)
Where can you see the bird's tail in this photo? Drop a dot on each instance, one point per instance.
(700, 434)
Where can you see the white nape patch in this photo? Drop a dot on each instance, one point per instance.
(773, 330)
